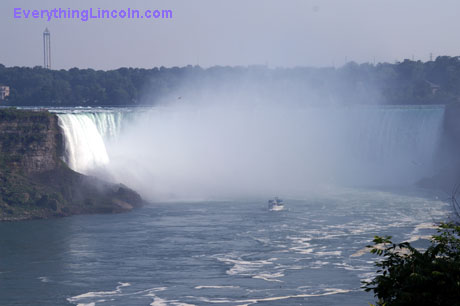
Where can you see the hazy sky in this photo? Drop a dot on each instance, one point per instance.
(234, 32)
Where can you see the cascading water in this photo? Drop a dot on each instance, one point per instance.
(85, 147)
(386, 139)
(226, 151)
(86, 135)
(108, 123)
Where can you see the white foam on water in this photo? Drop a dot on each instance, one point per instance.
(157, 289)
(247, 302)
(264, 241)
(424, 226)
(270, 277)
(217, 287)
(98, 294)
(302, 250)
(44, 279)
(158, 302)
(245, 267)
(361, 252)
(319, 264)
(91, 294)
(367, 277)
(415, 234)
(418, 237)
(301, 245)
(346, 266)
(328, 253)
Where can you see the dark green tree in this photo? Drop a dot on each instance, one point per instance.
(407, 82)
(407, 276)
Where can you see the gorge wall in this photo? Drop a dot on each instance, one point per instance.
(30, 141)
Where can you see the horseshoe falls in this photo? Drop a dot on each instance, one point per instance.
(207, 237)
(212, 153)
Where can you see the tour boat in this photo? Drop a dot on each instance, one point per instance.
(276, 204)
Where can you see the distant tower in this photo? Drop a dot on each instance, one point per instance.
(47, 49)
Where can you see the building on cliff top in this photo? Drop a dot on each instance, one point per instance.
(4, 92)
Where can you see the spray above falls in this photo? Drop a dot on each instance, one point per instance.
(214, 152)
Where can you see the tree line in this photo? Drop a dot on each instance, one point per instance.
(406, 82)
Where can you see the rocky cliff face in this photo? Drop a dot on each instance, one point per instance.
(35, 183)
(31, 141)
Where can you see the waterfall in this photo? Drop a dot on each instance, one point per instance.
(107, 123)
(86, 135)
(222, 148)
(387, 139)
(388, 133)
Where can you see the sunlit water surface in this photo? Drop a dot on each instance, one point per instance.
(208, 253)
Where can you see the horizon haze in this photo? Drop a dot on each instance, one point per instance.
(233, 33)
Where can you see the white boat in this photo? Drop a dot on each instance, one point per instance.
(276, 204)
